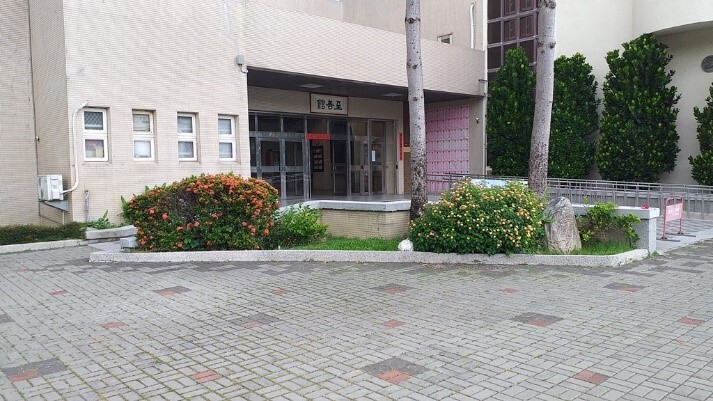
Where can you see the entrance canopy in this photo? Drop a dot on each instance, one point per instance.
(334, 86)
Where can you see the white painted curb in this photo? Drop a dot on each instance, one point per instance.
(371, 256)
(40, 246)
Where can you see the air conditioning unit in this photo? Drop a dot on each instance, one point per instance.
(49, 187)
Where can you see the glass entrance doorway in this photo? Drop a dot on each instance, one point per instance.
(312, 157)
(280, 162)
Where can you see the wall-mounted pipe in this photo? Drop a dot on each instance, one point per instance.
(472, 25)
(72, 137)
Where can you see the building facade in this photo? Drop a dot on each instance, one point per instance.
(595, 27)
(309, 95)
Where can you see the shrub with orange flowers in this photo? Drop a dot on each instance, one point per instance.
(474, 219)
(207, 212)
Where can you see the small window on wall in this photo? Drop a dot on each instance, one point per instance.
(226, 133)
(95, 134)
(186, 136)
(143, 135)
(446, 38)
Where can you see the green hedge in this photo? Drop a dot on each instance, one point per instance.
(702, 164)
(23, 234)
(511, 107)
(638, 139)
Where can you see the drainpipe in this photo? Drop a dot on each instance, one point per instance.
(472, 25)
(74, 148)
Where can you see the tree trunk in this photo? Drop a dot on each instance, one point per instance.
(416, 107)
(539, 149)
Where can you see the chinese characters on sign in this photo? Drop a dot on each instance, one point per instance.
(328, 104)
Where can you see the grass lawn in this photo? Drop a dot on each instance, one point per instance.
(353, 244)
(373, 244)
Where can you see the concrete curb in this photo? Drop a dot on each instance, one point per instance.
(372, 257)
(40, 246)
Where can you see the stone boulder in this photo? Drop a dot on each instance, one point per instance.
(406, 245)
(561, 234)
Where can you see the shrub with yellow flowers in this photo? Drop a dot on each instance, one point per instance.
(474, 219)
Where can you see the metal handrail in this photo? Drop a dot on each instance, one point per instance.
(698, 198)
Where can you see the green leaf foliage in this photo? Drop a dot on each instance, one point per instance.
(296, 225)
(574, 118)
(702, 164)
(598, 223)
(474, 219)
(24, 234)
(511, 107)
(638, 139)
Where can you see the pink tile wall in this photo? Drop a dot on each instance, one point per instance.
(446, 144)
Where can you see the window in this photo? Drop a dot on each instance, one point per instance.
(445, 38)
(186, 136)
(226, 133)
(143, 135)
(511, 24)
(95, 134)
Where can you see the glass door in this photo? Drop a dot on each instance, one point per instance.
(281, 163)
(338, 151)
(270, 162)
(293, 170)
(359, 158)
(378, 156)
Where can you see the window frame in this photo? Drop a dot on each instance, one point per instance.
(191, 137)
(94, 134)
(230, 139)
(143, 136)
(447, 38)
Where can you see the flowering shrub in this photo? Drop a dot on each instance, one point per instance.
(209, 212)
(473, 219)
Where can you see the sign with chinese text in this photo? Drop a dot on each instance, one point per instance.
(328, 104)
(317, 137)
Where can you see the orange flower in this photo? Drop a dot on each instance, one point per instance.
(179, 245)
(164, 216)
(197, 224)
(266, 232)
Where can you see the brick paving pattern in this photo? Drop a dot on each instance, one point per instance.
(354, 331)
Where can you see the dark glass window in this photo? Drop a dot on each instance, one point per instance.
(268, 123)
(527, 5)
(509, 30)
(527, 26)
(251, 122)
(293, 124)
(509, 7)
(494, 35)
(494, 57)
(338, 127)
(494, 9)
(530, 48)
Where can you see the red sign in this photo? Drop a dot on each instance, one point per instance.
(401, 145)
(674, 212)
(318, 137)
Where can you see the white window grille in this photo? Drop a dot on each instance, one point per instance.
(143, 129)
(94, 124)
(226, 133)
(187, 136)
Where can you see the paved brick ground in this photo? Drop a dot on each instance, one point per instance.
(74, 331)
